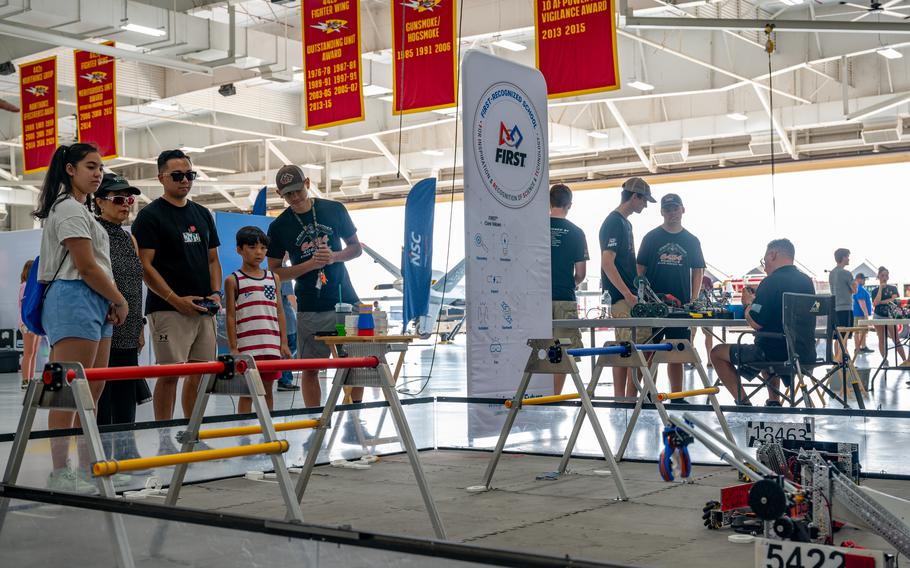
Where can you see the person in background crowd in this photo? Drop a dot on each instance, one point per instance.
(764, 312)
(29, 339)
(842, 287)
(178, 246)
(706, 284)
(82, 300)
(289, 306)
(670, 257)
(568, 258)
(617, 269)
(883, 296)
(311, 232)
(862, 310)
(255, 318)
(118, 402)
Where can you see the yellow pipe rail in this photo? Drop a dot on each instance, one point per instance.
(544, 399)
(249, 430)
(112, 467)
(683, 394)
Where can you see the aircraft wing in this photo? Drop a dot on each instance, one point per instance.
(382, 261)
(448, 282)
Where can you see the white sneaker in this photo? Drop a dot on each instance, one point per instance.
(65, 479)
(119, 479)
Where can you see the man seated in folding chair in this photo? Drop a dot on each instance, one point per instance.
(764, 311)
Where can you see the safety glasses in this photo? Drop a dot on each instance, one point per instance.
(120, 199)
(178, 176)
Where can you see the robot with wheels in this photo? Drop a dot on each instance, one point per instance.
(649, 305)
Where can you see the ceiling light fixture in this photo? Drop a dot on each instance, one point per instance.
(164, 105)
(436, 153)
(641, 85)
(737, 116)
(598, 134)
(312, 166)
(227, 90)
(192, 149)
(145, 30)
(387, 98)
(791, 2)
(889, 53)
(320, 133)
(510, 45)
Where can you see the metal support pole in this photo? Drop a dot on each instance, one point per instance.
(506, 428)
(192, 432)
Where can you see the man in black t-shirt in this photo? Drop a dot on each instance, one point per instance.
(311, 232)
(671, 259)
(178, 246)
(764, 312)
(568, 255)
(617, 268)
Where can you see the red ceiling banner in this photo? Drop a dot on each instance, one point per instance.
(96, 100)
(423, 75)
(38, 92)
(331, 62)
(576, 46)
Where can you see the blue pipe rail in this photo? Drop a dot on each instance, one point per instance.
(618, 349)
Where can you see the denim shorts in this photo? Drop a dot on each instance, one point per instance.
(73, 310)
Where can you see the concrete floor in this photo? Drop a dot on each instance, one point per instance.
(576, 515)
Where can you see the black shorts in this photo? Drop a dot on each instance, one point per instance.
(672, 333)
(844, 318)
(748, 358)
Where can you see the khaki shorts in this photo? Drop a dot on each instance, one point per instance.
(567, 310)
(622, 309)
(309, 324)
(177, 338)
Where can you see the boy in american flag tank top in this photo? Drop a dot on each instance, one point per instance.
(255, 318)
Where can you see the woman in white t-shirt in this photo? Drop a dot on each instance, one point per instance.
(82, 302)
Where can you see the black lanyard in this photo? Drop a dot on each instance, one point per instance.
(320, 276)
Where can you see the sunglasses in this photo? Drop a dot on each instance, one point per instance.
(120, 199)
(178, 176)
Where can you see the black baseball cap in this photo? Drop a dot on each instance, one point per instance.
(639, 186)
(290, 178)
(860, 276)
(113, 182)
(670, 200)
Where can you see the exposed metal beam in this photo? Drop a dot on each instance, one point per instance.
(809, 26)
(707, 65)
(270, 146)
(778, 128)
(391, 158)
(10, 177)
(56, 39)
(886, 104)
(630, 136)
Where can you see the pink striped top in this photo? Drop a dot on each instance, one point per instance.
(256, 315)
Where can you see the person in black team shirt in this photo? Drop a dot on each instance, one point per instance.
(671, 258)
(178, 246)
(764, 312)
(883, 296)
(617, 268)
(568, 255)
(311, 231)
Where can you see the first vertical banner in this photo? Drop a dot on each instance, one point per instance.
(331, 62)
(38, 92)
(96, 100)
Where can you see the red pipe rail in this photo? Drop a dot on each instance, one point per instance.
(216, 367)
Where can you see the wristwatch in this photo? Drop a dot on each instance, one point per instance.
(220, 293)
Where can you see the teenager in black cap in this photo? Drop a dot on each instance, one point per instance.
(671, 259)
(617, 267)
(311, 231)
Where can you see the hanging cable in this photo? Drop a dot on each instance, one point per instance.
(451, 195)
(398, 100)
(769, 48)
